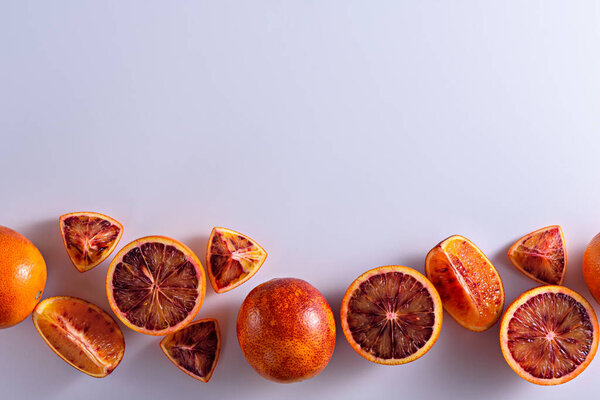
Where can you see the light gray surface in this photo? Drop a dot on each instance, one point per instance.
(342, 135)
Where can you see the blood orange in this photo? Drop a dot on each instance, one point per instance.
(195, 348)
(469, 285)
(591, 267)
(89, 237)
(391, 315)
(155, 285)
(232, 259)
(541, 255)
(549, 335)
(80, 333)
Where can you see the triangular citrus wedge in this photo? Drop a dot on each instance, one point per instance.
(89, 237)
(541, 255)
(232, 259)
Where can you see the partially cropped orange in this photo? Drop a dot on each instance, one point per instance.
(591, 267)
(22, 277)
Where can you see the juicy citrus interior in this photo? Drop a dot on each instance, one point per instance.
(232, 259)
(81, 333)
(195, 348)
(541, 255)
(469, 285)
(155, 285)
(391, 315)
(89, 237)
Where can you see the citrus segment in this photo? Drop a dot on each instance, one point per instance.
(541, 255)
(89, 237)
(155, 285)
(549, 335)
(232, 259)
(195, 348)
(591, 267)
(391, 315)
(80, 333)
(469, 285)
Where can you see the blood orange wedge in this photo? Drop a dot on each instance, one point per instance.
(195, 348)
(549, 335)
(81, 333)
(155, 285)
(469, 285)
(391, 315)
(232, 259)
(541, 255)
(89, 237)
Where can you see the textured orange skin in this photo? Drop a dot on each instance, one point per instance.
(286, 330)
(591, 267)
(22, 277)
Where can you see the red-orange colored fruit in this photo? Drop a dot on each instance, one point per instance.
(22, 277)
(391, 315)
(541, 255)
(549, 335)
(286, 330)
(232, 259)
(469, 285)
(591, 267)
(155, 285)
(195, 348)
(80, 333)
(89, 237)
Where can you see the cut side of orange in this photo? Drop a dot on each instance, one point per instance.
(89, 237)
(549, 335)
(155, 285)
(541, 255)
(195, 348)
(469, 285)
(232, 259)
(391, 315)
(80, 333)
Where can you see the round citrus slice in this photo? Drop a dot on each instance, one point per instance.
(81, 333)
(469, 285)
(549, 335)
(89, 237)
(155, 285)
(541, 255)
(195, 348)
(391, 315)
(232, 259)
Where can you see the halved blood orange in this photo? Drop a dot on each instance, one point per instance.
(89, 237)
(80, 333)
(549, 335)
(391, 315)
(155, 285)
(195, 348)
(541, 255)
(232, 259)
(469, 285)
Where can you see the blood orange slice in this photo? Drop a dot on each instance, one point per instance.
(232, 259)
(469, 285)
(89, 237)
(155, 285)
(80, 333)
(541, 255)
(195, 348)
(549, 335)
(391, 315)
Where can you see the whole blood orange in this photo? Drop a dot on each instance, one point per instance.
(549, 335)
(469, 285)
(155, 285)
(22, 277)
(591, 267)
(541, 255)
(89, 237)
(391, 315)
(80, 333)
(286, 330)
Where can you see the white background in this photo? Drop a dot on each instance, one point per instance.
(341, 135)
